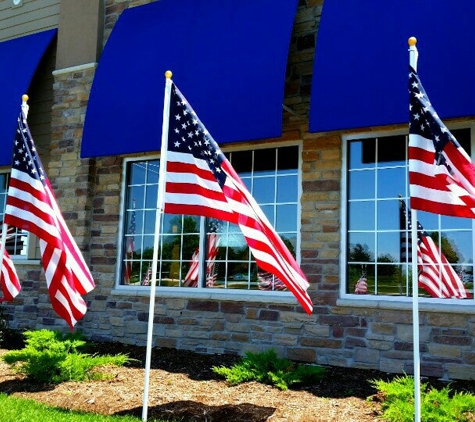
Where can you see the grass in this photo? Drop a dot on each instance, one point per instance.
(436, 405)
(21, 410)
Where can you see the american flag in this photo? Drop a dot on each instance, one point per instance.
(212, 242)
(405, 234)
(130, 246)
(436, 275)
(9, 278)
(31, 206)
(148, 276)
(441, 174)
(201, 181)
(268, 281)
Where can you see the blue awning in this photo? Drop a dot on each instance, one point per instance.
(227, 57)
(19, 59)
(361, 63)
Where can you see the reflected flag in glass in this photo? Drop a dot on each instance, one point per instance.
(436, 275)
(129, 253)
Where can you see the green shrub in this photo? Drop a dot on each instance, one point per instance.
(267, 368)
(436, 405)
(50, 356)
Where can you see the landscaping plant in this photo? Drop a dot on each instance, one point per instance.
(267, 368)
(53, 357)
(436, 405)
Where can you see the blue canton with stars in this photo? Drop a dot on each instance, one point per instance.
(186, 134)
(25, 157)
(424, 120)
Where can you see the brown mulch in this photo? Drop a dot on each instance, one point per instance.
(182, 386)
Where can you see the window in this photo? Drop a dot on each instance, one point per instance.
(18, 243)
(377, 178)
(272, 177)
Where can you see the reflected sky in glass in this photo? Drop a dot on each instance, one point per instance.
(361, 184)
(286, 218)
(264, 190)
(287, 188)
(137, 173)
(361, 215)
(389, 245)
(388, 215)
(391, 182)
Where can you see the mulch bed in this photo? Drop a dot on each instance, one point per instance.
(183, 385)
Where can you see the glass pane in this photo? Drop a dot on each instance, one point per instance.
(137, 173)
(269, 210)
(3, 182)
(392, 150)
(361, 184)
(287, 189)
(458, 246)
(264, 190)
(247, 182)
(290, 240)
(239, 275)
(429, 221)
(286, 218)
(389, 247)
(151, 193)
(463, 138)
(361, 247)
(361, 279)
(136, 196)
(388, 215)
(269, 282)
(264, 161)
(242, 162)
(391, 182)
(191, 243)
(288, 159)
(149, 222)
(391, 280)
(361, 215)
(455, 222)
(356, 159)
(170, 247)
(147, 245)
(191, 224)
(153, 170)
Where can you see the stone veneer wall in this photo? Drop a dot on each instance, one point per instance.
(341, 334)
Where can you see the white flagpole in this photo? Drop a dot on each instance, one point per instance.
(413, 54)
(158, 219)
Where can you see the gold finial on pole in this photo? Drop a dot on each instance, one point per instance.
(24, 106)
(412, 41)
(168, 74)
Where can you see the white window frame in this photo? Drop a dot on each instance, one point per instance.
(284, 297)
(391, 302)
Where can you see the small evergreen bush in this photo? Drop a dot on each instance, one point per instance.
(50, 356)
(436, 405)
(267, 368)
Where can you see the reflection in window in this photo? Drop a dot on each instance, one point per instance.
(377, 248)
(271, 175)
(16, 243)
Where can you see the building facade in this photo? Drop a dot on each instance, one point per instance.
(327, 203)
